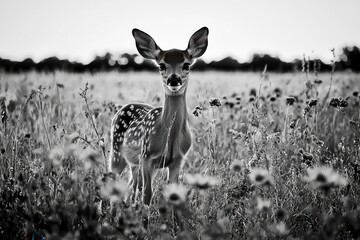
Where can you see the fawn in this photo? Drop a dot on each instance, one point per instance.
(147, 138)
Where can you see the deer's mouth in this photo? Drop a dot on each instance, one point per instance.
(174, 88)
(174, 83)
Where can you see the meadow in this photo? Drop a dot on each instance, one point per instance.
(274, 156)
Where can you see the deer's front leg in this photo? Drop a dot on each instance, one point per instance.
(147, 170)
(174, 169)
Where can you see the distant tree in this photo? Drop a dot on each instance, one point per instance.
(259, 61)
(200, 65)
(100, 63)
(27, 65)
(226, 64)
(7, 65)
(350, 58)
(49, 64)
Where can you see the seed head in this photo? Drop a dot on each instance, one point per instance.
(197, 111)
(290, 100)
(313, 103)
(338, 103)
(215, 102)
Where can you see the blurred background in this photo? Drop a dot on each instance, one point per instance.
(91, 36)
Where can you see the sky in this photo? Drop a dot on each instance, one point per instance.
(81, 29)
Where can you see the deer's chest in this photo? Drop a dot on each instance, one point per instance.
(169, 146)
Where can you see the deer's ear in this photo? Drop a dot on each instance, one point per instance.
(198, 43)
(145, 44)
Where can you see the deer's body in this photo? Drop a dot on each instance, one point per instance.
(146, 138)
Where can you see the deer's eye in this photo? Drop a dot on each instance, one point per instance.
(162, 67)
(186, 67)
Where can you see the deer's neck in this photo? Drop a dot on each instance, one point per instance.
(174, 115)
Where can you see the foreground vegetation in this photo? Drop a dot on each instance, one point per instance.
(278, 161)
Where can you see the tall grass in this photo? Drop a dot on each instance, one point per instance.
(277, 158)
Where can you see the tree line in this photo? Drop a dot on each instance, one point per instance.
(349, 60)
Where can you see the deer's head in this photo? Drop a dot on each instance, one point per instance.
(174, 64)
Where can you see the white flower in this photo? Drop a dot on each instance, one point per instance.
(91, 158)
(237, 165)
(325, 178)
(281, 228)
(201, 181)
(113, 190)
(263, 204)
(175, 193)
(261, 176)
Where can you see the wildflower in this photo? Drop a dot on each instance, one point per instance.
(175, 193)
(253, 92)
(261, 177)
(281, 228)
(356, 93)
(11, 106)
(324, 178)
(163, 210)
(91, 158)
(102, 142)
(343, 103)
(215, 102)
(60, 85)
(56, 155)
(237, 165)
(308, 158)
(280, 215)
(197, 111)
(272, 99)
(277, 92)
(290, 100)
(97, 112)
(201, 181)
(293, 123)
(338, 102)
(263, 204)
(251, 99)
(317, 81)
(334, 102)
(113, 190)
(216, 230)
(313, 103)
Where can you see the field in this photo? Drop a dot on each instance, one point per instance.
(278, 159)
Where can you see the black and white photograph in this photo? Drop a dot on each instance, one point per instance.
(185, 120)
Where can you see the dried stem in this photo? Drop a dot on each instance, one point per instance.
(89, 115)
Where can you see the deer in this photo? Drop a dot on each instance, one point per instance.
(147, 138)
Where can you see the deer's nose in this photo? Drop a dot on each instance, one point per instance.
(174, 81)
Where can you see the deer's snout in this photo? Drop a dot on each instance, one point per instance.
(174, 81)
